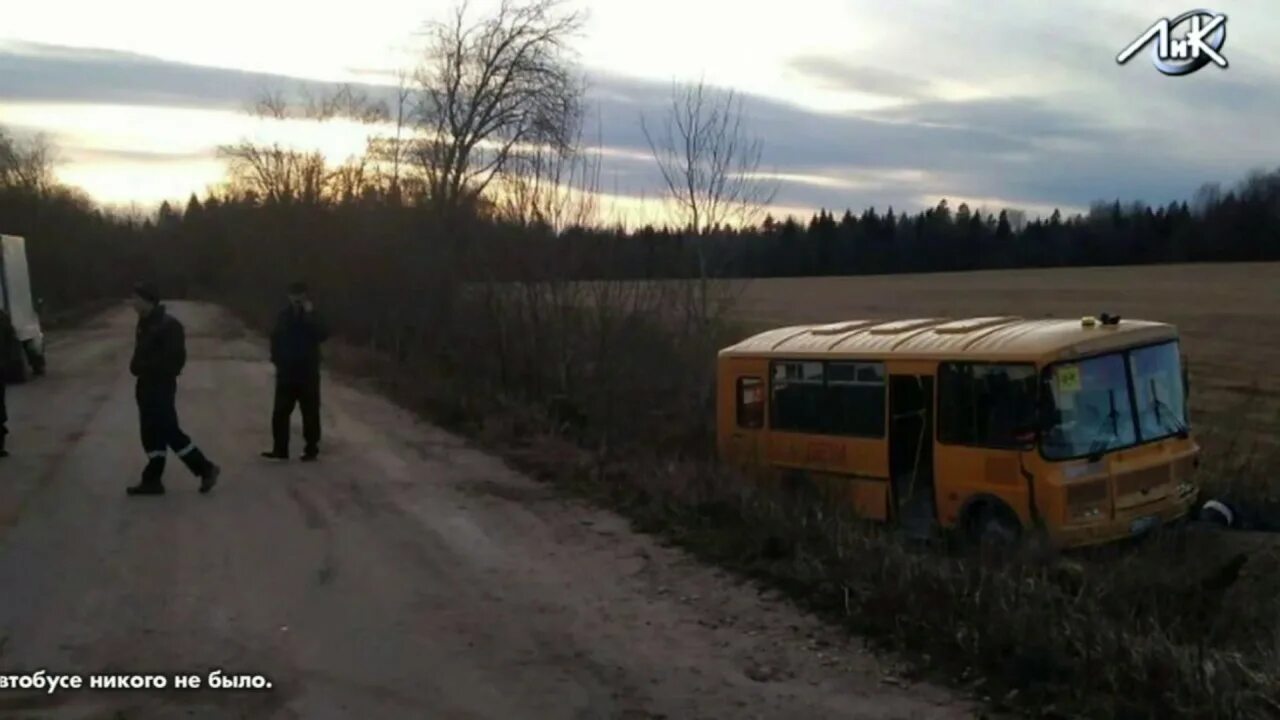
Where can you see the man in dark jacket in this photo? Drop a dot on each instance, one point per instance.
(159, 355)
(295, 351)
(8, 359)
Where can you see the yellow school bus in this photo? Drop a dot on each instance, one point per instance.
(991, 426)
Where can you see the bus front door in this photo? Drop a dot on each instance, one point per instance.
(746, 416)
(911, 452)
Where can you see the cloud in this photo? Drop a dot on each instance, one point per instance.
(883, 155)
(1037, 150)
(139, 157)
(911, 135)
(835, 74)
(1022, 119)
(1032, 150)
(32, 72)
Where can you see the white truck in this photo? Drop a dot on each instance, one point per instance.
(18, 302)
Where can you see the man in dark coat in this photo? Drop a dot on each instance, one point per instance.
(295, 351)
(159, 355)
(8, 359)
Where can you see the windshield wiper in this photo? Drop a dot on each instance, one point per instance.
(1099, 444)
(1179, 426)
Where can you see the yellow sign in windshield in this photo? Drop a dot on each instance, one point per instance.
(1068, 379)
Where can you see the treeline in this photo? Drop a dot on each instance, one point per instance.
(1242, 224)
(78, 253)
(1238, 225)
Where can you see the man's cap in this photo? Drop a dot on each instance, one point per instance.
(147, 291)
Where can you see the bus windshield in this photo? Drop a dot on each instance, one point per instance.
(1093, 401)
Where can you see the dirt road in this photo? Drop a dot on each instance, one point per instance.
(405, 575)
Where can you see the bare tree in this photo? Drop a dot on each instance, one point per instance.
(27, 165)
(489, 87)
(277, 173)
(271, 104)
(393, 151)
(353, 179)
(8, 154)
(555, 187)
(345, 102)
(709, 162)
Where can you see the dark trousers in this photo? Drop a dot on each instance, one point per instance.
(304, 392)
(4, 416)
(158, 417)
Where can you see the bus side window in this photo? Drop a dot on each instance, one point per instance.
(750, 403)
(985, 405)
(856, 399)
(799, 396)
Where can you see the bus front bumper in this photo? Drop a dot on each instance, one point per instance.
(1129, 523)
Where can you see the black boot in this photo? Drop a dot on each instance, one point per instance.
(145, 488)
(275, 455)
(151, 483)
(209, 478)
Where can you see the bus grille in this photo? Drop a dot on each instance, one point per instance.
(1142, 481)
(1184, 469)
(1087, 493)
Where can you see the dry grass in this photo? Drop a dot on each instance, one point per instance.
(1144, 633)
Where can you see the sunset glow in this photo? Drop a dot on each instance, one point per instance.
(858, 103)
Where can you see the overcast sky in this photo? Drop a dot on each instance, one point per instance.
(859, 102)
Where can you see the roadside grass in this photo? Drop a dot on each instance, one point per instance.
(1159, 631)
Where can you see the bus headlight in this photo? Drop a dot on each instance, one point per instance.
(1086, 513)
(1088, 501)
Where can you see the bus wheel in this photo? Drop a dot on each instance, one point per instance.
(992, 527)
